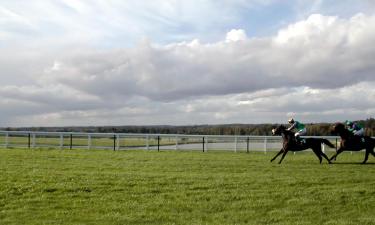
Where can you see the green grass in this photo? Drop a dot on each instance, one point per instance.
(139, 187)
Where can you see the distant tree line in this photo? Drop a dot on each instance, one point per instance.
(314, 129)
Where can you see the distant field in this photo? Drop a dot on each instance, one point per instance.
(192, 188)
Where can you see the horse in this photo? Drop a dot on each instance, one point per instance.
(350, 142)
(290, 144)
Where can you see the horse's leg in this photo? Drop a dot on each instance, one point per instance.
(282, 157)
(281, 151)
(326, 157)
(320, 153)
(368, 150)
(317, 152)
(336, 154)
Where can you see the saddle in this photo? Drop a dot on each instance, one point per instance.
(355, 141)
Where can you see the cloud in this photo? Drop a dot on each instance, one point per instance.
(316, 68)
(114, 24)
(236, 35)
(320, 52)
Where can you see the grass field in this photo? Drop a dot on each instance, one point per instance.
(139, 187)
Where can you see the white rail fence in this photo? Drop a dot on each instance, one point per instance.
(126, 141)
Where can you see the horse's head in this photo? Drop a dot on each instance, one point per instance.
(278, 130)
(338, 128)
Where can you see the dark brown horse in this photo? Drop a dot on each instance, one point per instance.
(290, 144)
(350, 142)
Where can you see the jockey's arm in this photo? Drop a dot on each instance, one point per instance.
(292, 127)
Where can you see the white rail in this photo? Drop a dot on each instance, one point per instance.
(128, 141)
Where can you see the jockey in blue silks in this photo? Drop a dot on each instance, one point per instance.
(355, 128)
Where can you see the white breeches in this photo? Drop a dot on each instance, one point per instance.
(360, 132)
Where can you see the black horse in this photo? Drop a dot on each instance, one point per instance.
(290, 144)
(350, 142)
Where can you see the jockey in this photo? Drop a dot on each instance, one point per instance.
(355, 128)
(300, 127)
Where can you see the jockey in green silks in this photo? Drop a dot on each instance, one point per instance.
(300, 127)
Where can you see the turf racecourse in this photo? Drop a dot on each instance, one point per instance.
(139, 187)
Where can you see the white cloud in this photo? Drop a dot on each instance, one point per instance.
(308, 30)
(236, 35)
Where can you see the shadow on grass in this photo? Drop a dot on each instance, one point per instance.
(354, 163)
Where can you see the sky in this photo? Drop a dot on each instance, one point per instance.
(187, 62)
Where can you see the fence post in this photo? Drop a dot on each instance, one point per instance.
(265, 145)
(6, 139)
(147, 142)
(206, 144)
(29, 141)
(118, 142)
(203, 144)
(158, 143)
(336, 144)
(247, 144)
(71, 141)
(235, 143)
(88, 141)
(61, 141)
(114, 142)
(33, 143)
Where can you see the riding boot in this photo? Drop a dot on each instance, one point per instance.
(298, 140)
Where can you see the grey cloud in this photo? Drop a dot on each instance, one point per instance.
(321, 52)
(274, 105)
(319, 68)
(46, 99)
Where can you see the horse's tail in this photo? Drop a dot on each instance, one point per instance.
(325, 141)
